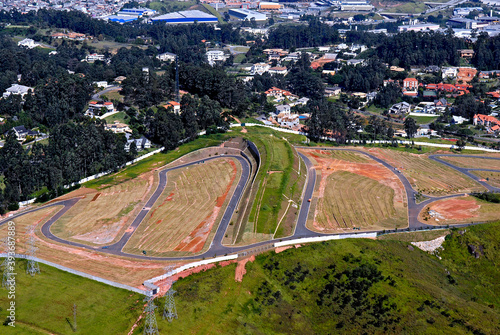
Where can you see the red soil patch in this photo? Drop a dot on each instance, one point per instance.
(169, 198)
(456, 209)
(240, 268)
(281, 249)
(196, 240)
(159, 221)
(95, 197)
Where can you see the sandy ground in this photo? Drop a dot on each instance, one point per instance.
(451, 209)
(240, 268)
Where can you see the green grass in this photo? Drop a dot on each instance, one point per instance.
(44, 302)
(212, 11)
(121, 117)
(170, 6)
(349, 287)
(424, 119)
(239, 58)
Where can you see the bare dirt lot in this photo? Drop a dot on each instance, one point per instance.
(459, 210)
(355, 191)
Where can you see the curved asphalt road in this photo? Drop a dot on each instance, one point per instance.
(216, 247)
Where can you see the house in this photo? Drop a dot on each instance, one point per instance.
(94, 57)
(396, 69)
(100, 84)
(28, 43)
(466, 53)
(277, 92)
(21, 133)
(355, 62)
(174, 105)
(278, 70)
(449, 72)
(214, 56)
(302, 101)
(16, 89)
(400, 108)
(466, 74)
(283, 109)
(118, 128)
(485, 120)
(288, 120)
(259, 68)
(410, 86)
(120, 79)
(458, 119)
(432, 69)
(140, 143)
(332, 91)
(167, 56)
(99, 108)
(425, 131)
(441, 102)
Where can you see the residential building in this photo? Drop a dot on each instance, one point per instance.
(118, 128)
(302, 101)
(283, 109)
(176, 107)
(17, 89)
(21, 133)
(214, 56)
(100, 84)
(288, 120)
(458, 119)
(140, 143)
(167, 56)
(278, 70)
(410, 86)
(98, 108)
(400, 108)
(485, 120)
(28, 43)
(277, 92)
(94, 57)
(449, 72)
(332, 91)
(259, 68)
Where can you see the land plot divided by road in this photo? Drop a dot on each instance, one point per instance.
(473, 163)
(185, 216)
(355, 191)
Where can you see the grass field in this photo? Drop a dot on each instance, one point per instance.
(102, 217)
(493, 178)
(44, 304)
(121, 117)
(349, 287)
(423, 119)
(473, 163)
(351, 200)
(415, 236)
(190, 206)
(170, 6)
(281, 178)
(459, 210)
(427, 176)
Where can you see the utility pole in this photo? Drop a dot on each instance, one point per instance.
(33, 267)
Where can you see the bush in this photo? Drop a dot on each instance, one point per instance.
(13, 206)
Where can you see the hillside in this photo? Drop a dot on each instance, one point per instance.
(352, 286)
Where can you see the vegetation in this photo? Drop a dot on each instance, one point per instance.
(488, 196)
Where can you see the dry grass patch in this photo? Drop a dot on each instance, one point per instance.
(101, 217)
(473, 163)
(459, 210)
(183, 216)
(426, 175)
(355, 192)
(492, 178)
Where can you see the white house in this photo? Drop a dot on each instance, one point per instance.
(288, 120)
(458, 119)
(449, 72)
(100, 84)
(140, 143)
(259, 68)
(167, 56)
(118, 127)
(93, 57)
(278, 70)
(214, 56)
(16, 89)
(302, 101)
(283, 109)
(28, 43)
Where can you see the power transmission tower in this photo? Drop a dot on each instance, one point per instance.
(151, 327)
(33, 267)
(8, 273)
(177, 93)
(169, 311)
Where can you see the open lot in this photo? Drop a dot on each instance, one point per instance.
(473, 163)
(189, 208)
(102, 216)
(459, 210)
(355, 191)
(426, 175)
(493, 178)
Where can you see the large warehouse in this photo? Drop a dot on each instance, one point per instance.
(187, 16)
(246, 14)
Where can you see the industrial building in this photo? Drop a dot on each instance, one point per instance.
(263, 5)
(122, 18)
(187, 16)
(247, 15)
(351, 5)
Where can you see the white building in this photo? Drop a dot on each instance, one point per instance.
(100, 84)
(167, 56)
(17, 90)
(419, 27)
(28, 43)
(278, 70)
(214, 56)
(449, 72)
(93, 57)
(283, 109)
(288, 120)
(259, 68)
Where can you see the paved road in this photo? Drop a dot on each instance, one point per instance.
(216, 247)
(106, 90)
